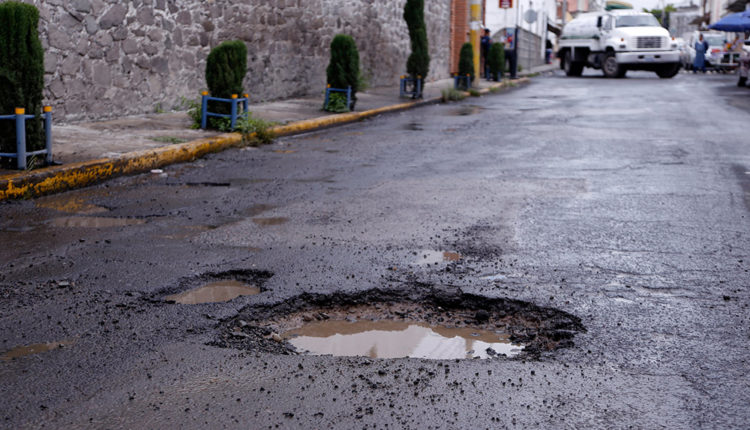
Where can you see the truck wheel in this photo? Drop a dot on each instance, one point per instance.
(611, 68)
(668, 71)
(572, 68)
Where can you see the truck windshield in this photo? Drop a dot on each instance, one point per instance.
(637, 21)
(714, 40)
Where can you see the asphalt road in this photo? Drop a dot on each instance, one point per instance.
(623, 202)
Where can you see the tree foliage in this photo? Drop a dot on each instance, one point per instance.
(343, 68)
(496, 59)
(466, 61)
(226, 67)
(418, 63)
(21, 73)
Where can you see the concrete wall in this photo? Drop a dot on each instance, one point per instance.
(106, 58)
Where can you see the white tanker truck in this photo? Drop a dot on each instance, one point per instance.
(616, 41)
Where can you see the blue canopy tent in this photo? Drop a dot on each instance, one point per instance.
(736, 22)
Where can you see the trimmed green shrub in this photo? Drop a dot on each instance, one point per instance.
(418, 63)
(226, 67)
(496, 60)
(343, 69)
(466, 61)
(21, 73)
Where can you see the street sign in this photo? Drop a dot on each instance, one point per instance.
(506, 4)
(530, 16)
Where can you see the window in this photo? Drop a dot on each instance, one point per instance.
(637, 21)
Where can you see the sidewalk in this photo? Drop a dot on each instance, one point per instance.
(93, 151)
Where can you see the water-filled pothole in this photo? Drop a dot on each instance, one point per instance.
(395, 339)
(429, 257)
(465, 110)
(215, 287)
(37, 348)
(412, 320)
(214, 292)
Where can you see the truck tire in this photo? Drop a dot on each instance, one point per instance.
(611, 68)
(572, 68)
(668, 71)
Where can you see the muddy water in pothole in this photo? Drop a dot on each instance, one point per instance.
(37, 348)
(465, 110)
(214, 292)
(395, 339)
(94, 222)
(432, 257)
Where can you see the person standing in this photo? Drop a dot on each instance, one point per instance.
(701, 47)
(484, 49)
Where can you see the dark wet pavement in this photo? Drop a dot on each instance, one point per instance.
(622, 202)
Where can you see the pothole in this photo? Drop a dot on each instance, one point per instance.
(94, 222)
(214, 292)
(414, 320)
(216, 287)
(37, 348)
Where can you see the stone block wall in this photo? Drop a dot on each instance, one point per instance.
(108, 58)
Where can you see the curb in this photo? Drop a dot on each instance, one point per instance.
(55, 179)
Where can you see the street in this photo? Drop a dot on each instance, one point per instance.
(619, 209)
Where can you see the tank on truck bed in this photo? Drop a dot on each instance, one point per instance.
(616, 41)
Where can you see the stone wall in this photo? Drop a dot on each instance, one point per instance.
(107, 58)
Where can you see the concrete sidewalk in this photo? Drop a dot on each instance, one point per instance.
(93, 151)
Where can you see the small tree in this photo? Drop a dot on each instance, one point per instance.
(21, 73)
(418, 64)
(226, 67)
(466, 61)
(497, 60)
(343, 69)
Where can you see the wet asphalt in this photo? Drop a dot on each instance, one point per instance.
(623, 202)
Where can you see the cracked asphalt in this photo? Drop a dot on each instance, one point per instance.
(625, 203)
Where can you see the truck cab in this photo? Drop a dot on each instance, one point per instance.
(617, 41)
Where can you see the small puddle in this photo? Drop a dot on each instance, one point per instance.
(214, 292)
(94, 222)
(284, 151)
(37, 348)
(265, 222)
(465, 110)
(428, 257)
(395, 339)
(414, 126)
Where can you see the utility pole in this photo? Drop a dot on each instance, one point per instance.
(476, 26)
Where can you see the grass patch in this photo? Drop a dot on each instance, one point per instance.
(474, 93)
(452, 95)
(169, 139)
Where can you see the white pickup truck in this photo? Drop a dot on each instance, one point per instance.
(617, 41)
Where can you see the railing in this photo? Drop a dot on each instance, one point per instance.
(235, 101)
(457, 79)
(330, 90)
(416, 87)
(21, 154)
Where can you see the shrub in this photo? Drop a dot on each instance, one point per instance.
(21, 73)
(226, 67)
(418, 63)
(343, 69)
(497, 60)
(337, 103)
(466, 61)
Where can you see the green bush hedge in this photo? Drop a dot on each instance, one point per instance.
(466, 61)
(343, 69)
(226, 67)
(21, 73)
(497, 61)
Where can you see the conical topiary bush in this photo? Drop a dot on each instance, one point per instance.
(343, 68)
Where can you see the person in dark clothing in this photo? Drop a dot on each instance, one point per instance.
(484, 50)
